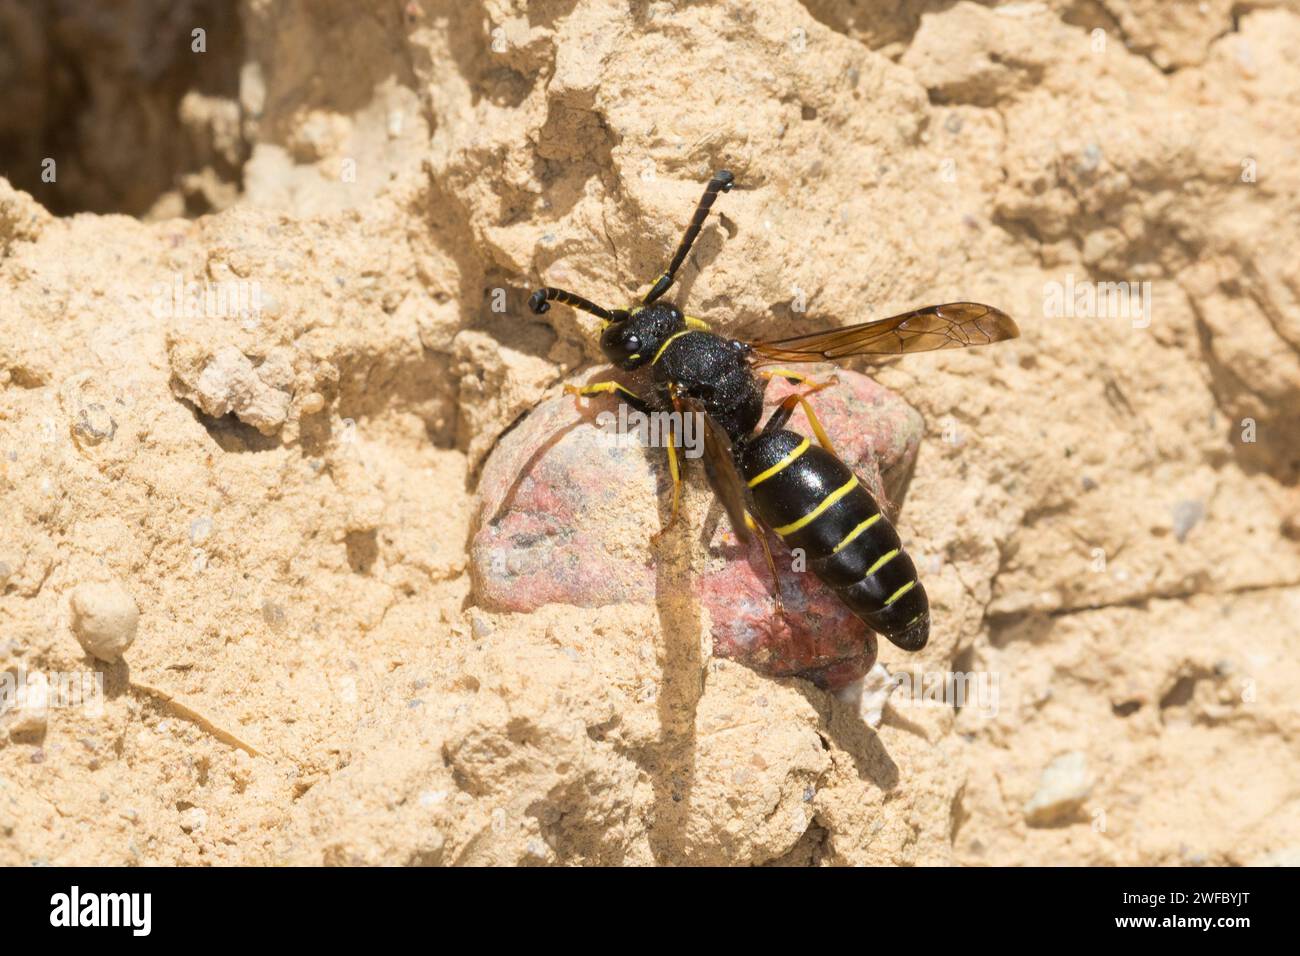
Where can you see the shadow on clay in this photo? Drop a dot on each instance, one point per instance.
(682, 683)
(841, 725)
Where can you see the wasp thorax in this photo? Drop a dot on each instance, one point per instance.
(634, 341)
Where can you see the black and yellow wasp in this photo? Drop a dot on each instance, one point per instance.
(774, 478)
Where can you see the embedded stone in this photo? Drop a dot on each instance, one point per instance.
(569, 500)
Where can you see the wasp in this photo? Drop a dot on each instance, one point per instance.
(771, 478)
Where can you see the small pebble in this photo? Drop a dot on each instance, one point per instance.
(1091, 158)
(194, 819)
(94, 425)
(1064, 785)
(27, 711)
(1187, 515)
(104, 618)
(479, 624)
(273, 614)
(869, 694)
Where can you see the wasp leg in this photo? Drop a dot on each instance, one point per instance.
(674, 470)
(721, 182)
(797, 378)
(610, 387)
(794, 378)
(698, 324)
(760, 533)
(787, 407)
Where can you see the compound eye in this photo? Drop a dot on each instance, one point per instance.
(632, 343)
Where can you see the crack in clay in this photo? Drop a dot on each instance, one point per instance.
(1138, 601)
(181, 709)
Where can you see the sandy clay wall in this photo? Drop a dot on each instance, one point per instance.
(264, 319)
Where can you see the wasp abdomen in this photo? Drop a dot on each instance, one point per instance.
(815, 502)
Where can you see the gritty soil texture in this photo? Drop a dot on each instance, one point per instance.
(261, 334)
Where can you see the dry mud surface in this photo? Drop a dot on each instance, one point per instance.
(277, 503)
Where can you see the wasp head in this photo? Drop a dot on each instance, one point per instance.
(636, 339)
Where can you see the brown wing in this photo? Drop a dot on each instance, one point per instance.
(720, 463)
(952, 326)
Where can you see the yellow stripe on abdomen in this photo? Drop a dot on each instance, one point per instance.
(817, 512)
(855, 532)
(883, 560)
(899, 593)
(780, 465)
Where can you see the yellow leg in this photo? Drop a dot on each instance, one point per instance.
(761, 533)
(802, 400)
(699, 324)
(675, 471)
(601, 388)
(797, 378)
(794, 378)
(816, 424)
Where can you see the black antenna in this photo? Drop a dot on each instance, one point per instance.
(722, 181)
(540, 302)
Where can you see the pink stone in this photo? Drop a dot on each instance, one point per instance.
(557, 525)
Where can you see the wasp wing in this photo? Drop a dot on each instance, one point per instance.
(955, 325)
(720, 464)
